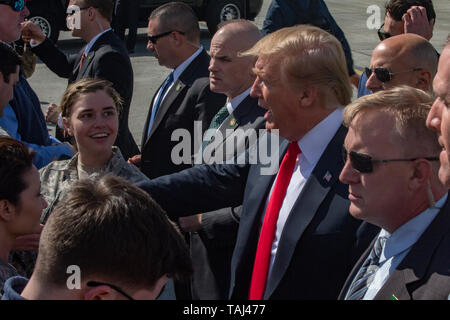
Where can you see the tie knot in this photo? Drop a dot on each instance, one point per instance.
(294, 149)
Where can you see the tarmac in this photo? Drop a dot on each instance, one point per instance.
(359, 19)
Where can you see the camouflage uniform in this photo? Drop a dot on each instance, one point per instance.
(56, 180)
(58, 176)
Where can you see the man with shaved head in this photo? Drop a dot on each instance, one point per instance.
(406, 59)
(213, 234)
(404, 16)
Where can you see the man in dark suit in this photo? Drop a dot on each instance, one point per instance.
(174, 39)
(304, 244)
(104, 56)
(392, 172)
(126, 15)
(235, 127)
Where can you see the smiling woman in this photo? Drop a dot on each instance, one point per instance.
(90, 111)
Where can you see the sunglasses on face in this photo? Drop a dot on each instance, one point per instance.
(155, 38)
(383, 74)
(16, 5)
(363, 163)
(383, 34)
(73, 9)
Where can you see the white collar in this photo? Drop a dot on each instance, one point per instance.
(232, 105)
(316, 140)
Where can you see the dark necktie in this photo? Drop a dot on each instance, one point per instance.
(159, 99)
(366, 273)
(216, 122)
(262, 259)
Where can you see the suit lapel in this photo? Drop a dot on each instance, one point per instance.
(189, 75)
(415, 265)
(319, 184)
(86, 63)
(177, 88)
(235, 119)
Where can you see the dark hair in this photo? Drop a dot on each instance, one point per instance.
(15, 160)
(9, 60)
(178, 16)
(397, 8)
(104, 7)
(114, 230)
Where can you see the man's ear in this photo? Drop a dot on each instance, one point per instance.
(421, 173)
(101, 292)
(308, 95)
(7, 210)
(67, 125)
(424, 80)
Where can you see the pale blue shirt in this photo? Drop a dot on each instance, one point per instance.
(44, 154)
(398, 245)
(93, 40)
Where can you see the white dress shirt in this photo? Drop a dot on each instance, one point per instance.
(312, 145)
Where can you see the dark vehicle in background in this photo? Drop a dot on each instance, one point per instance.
(51, 14)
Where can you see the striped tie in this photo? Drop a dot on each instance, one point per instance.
(215, 123)
(365, 275)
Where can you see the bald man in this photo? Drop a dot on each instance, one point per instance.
(406, 59)
(213, 234)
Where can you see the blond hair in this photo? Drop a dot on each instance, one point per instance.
(75, 90)
(308, 56)
(409, 107)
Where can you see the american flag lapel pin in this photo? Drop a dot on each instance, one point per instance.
(327, 177)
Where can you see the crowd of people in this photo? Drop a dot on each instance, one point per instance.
(356, 207)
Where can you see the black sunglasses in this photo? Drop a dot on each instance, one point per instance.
(97, 283)
(16, 5)
(383, 74)
(155, 38)
(383, 34)
(72, 11)
(363, 163)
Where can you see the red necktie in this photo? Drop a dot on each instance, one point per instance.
(81, 62)
(262, 259)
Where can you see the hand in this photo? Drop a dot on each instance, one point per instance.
(29, 242)
(191, 223)
(136, 160)
(415, 20)
(31, 31)
(52, 113)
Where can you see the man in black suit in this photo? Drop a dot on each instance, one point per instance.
(305, 243)
(104, 56)
(392, 172)
(213, 234)
(174, 39)
(126, 15)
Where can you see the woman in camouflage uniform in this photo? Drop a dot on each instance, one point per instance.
(21, 202)
(90, 111)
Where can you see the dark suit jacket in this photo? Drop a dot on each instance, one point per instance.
(424, 274)
(108, 59)
(184, 103)
(212, 247)
(319, 242)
